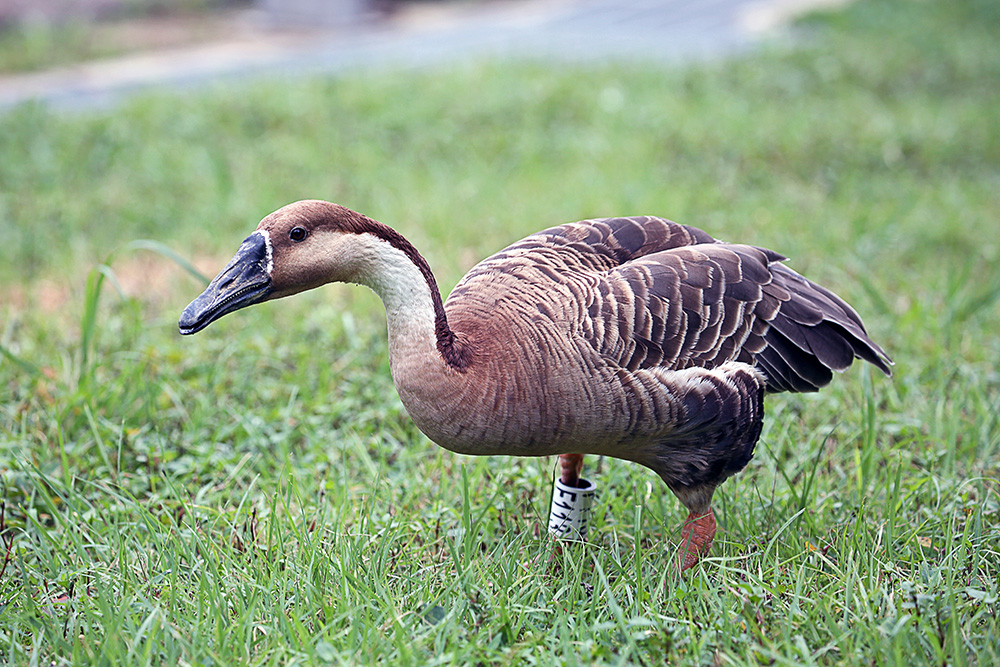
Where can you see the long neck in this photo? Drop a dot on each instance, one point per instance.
(409, 306)
(418, 326)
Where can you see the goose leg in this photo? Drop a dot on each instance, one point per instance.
(572, 466)
(699, 527)
(571, 500)
(696, 539)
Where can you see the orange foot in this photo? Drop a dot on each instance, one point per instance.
(696, 538)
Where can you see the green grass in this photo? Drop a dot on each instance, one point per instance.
(257, 495)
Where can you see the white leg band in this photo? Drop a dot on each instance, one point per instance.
(570, 511)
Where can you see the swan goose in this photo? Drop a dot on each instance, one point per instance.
(636, 338)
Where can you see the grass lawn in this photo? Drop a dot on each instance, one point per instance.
(257, 495)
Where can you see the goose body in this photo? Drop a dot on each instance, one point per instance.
(636, 338)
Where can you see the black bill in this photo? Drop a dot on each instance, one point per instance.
(246, 280)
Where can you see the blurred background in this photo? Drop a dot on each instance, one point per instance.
(190, 40)
(88, 61)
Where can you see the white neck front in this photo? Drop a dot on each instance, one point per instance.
(404, 291)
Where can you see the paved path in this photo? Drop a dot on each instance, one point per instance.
(566, 30)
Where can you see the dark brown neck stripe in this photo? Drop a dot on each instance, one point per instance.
(454, 354)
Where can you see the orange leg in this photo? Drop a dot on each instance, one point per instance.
(696, 538)
(572, 466)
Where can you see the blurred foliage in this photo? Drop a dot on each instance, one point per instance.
(61, 34)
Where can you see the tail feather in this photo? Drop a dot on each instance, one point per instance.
(814, 333)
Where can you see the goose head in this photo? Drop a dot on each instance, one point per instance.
(298, 247)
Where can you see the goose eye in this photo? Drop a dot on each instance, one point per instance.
(298, 234)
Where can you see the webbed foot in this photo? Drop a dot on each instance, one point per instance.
(696, 539)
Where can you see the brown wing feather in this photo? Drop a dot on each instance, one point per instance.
(652, 293)
(670, 296)
(706, 296)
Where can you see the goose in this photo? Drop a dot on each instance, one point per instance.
(636, 338)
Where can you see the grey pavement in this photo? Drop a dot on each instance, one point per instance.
(549, 30)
